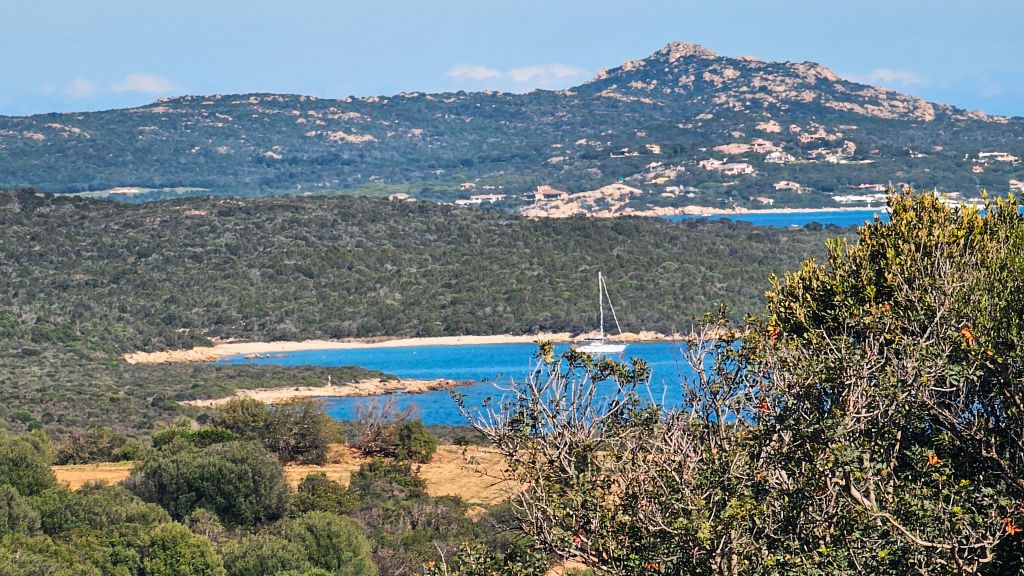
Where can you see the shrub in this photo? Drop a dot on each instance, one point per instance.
(172, 550)
(257, 555)
(318, 492)
(16, 516)
(96, 445)
(25, 462)
(295, 431)
(36, 556)
(381, 479)
(335, 543)
(415, 443)
(300, 432)
(375, 430)
(95, 507)
(200, 438)
(243, 416)
(239, 481)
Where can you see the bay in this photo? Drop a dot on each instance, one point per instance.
(841, 218)
(487, 367)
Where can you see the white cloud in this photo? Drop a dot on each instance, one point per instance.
(472, 72)
(887, 77)
(80, 88)
(145, 83)
(546, 72)
(553, 75)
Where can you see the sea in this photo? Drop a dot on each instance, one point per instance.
(842, 219)
(489, 369)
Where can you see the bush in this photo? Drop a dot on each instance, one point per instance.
(317, 492)
(375, 429)
(381, 479)
(300, 432)
(25, 462)
(415, 443)
(16, 516)
(243, 416)
(296, 431)
(335, 543)
(200, 438)
(96, 445)
(37, 556)
(95, 507)
(257, 555)
(239, 481)
(172, 550)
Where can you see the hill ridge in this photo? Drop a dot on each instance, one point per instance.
(684, 125)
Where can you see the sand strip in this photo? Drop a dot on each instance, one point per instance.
(371, 387)
(256, 349)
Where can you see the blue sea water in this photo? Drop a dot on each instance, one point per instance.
(484, 365)
(786, 220)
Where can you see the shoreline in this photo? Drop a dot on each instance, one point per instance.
(228, 349)
(360, 389)
(707, 211)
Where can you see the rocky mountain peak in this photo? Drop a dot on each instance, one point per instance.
(684, 75)
(678, 49)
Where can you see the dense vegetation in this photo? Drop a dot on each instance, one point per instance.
(82, 281)
(578, 139)
(94, 276)
(868, 422)
(221, 507)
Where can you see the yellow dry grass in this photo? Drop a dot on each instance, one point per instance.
(467, 472)
(77, 474)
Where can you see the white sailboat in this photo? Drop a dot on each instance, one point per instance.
(599, 345)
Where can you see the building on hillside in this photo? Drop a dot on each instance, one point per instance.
(779, 158)
(788, 185)
(999, 157)
(467, 186)
(737, 169)
(545, 192)
(491, 198)
(873, 187)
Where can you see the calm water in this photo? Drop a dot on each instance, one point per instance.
(485, 365)
(824, 217)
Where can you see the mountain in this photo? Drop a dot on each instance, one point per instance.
(683, 127)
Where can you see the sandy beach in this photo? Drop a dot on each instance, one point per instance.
(224, 350)
(370, 387)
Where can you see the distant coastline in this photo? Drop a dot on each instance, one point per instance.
(707, 211)
(228, 349)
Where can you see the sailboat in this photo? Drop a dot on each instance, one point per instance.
(599, 345)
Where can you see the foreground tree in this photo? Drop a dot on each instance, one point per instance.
(869, 422)
(893, 396)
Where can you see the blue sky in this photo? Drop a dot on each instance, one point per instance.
(71, 55)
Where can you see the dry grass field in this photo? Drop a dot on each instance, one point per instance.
(467, 472)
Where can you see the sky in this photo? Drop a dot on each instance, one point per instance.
(77, 55)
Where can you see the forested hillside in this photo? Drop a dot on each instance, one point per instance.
(82, 281)
(147, 276)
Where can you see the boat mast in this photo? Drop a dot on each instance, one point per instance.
(600, 301)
